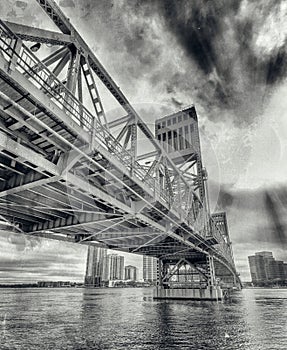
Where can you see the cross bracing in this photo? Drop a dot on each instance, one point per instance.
(66, 173)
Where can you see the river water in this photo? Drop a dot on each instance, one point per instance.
(76, 318)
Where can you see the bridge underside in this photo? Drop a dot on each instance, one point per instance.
(65, 176)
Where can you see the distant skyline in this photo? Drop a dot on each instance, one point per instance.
(28, 259)
(230, 59)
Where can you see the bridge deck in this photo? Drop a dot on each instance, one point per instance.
(63, 175)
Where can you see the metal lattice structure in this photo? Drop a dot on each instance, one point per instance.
(68, 173)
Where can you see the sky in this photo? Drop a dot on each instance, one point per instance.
(229, 58)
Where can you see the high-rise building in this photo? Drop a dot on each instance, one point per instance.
(130, 273)
(150, 268)
(257, 269)
(113, 267)
(276, 271)
(264, 269)
(94, 267)
(106, 268)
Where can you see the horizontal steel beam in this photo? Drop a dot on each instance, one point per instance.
(29, 185)
(30, 211)
(119, 121)
(27, 200)
(71, 221)
(147, 155)
(28, 33)
(18, 183)
(29, 155)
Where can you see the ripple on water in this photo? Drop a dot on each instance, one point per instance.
(130, 319)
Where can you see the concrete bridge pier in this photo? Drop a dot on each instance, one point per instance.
(184, 279)
(212, 293)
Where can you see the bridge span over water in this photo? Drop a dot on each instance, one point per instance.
(69, 173)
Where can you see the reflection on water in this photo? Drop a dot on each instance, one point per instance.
(255, 319)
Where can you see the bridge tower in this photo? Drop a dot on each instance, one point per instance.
(182, 276)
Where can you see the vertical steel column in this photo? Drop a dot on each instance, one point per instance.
(165, 268)
(73, 71)
(168, 183)
(80, 95)
(211, 270)
(93, 91)
(159, 277)
(133, 144)
(72, 77)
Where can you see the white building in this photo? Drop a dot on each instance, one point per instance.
(130, 273)
(150, 268)
(94, 267)
(113, 267)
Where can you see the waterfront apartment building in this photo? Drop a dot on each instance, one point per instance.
(94, 267)
(130, 273)
(102, 267)
(150, 268)
(264, 269)
(113, 267)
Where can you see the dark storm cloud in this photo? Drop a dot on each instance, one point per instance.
(269, 69)
(274, 208)
(225, 198)
(276, 66)
(251, 200)
(256, 215)
(197, 25)
(201, 27)
(225, 71)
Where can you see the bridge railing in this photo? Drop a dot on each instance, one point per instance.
(21, 58)
(28, 64)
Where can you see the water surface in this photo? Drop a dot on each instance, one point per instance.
(75, 318)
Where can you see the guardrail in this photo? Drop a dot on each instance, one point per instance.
(28, 64)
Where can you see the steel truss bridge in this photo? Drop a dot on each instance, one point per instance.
(68, 173)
